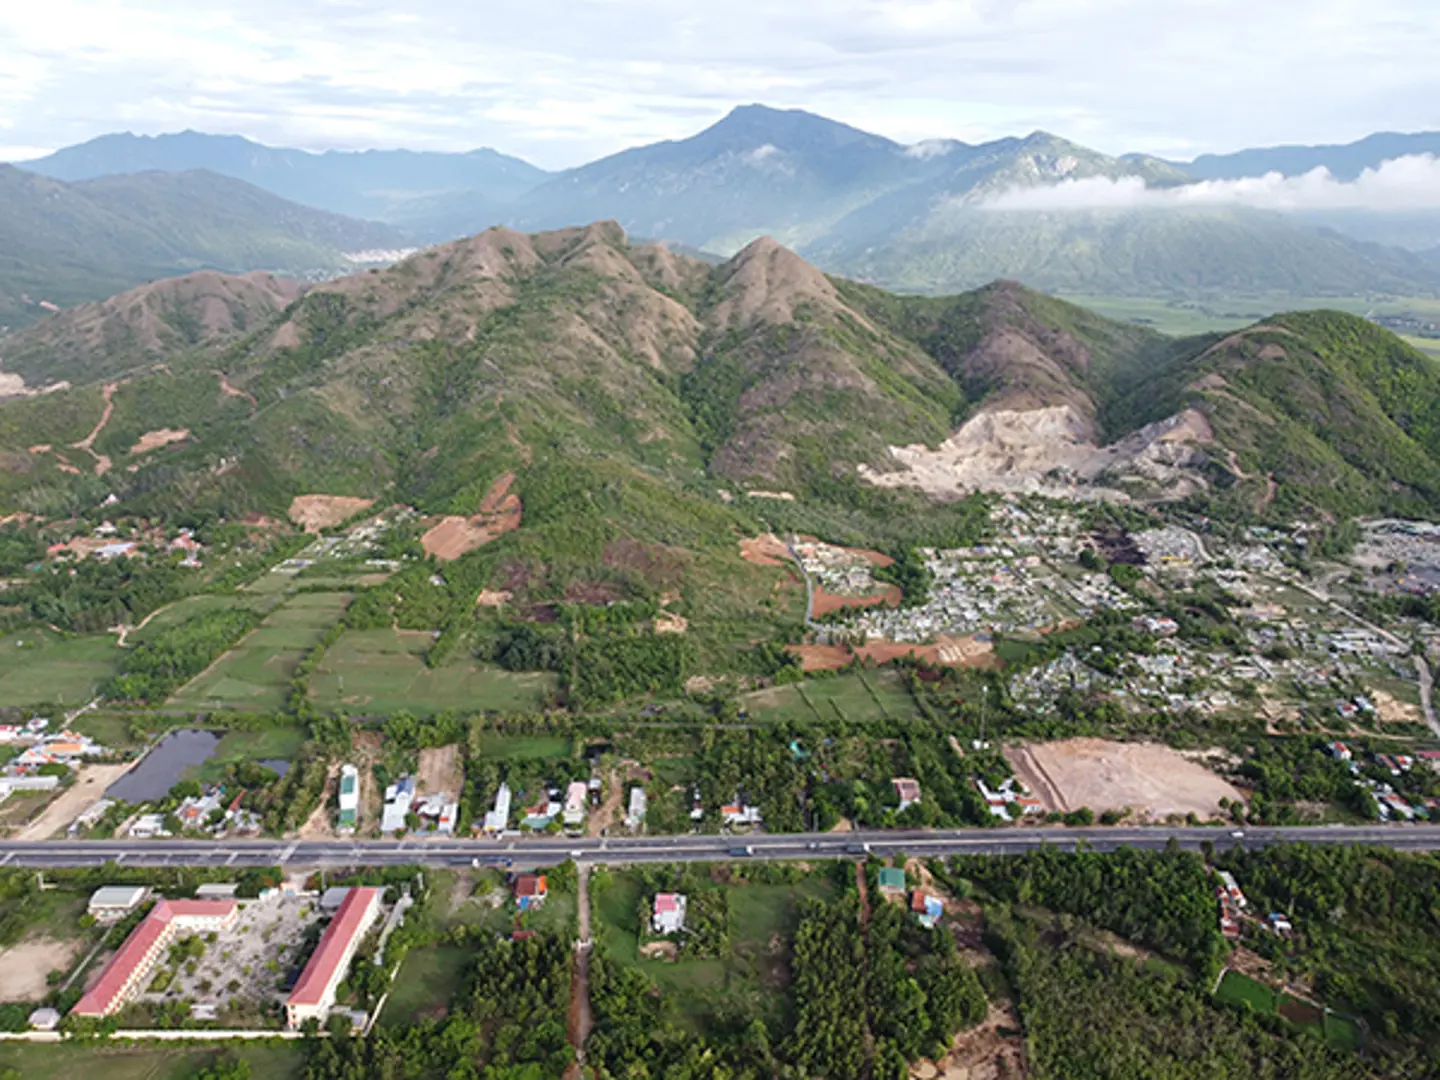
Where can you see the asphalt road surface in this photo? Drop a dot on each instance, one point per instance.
(547, 851)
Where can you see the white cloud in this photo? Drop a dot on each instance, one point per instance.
(1406, 183)
(565, 80)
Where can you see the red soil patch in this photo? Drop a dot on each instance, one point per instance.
(822, 657)
(658, 565)
(453, 536)
(153, 440)
(234, 391)
(765, 550)
(256, 520)
(948, 652)
(825, 602)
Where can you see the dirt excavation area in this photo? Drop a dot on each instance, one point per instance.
(440, 771)
(1153, 781)
(88, 789)
(23, 967)
(315, 512)
(767, 549)
(500, 512)
(154, 440)
(1025, 450)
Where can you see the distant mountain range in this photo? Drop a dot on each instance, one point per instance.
(909, 217)
(365, 184)
(62, 244)
(1344, 161)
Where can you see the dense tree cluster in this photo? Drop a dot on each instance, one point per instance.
(178, 653)
(1092, 1016)
(1163, 899)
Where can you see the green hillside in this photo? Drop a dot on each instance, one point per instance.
(627, 387)
(64, 244)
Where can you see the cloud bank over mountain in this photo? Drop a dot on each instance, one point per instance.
(1405, 183)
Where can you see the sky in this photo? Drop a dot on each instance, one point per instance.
(561, 82)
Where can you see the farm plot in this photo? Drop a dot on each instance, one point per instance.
(858, 698)
(383, 671)
(1239, 989)
(426, 985)
(41, 667)
(256, 673)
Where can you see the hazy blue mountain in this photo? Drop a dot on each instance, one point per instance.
(1206, 252)
(759, 171)
(1345, 161)
(67, 243)
(366, 183)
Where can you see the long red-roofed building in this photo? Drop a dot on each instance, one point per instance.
(314, 992)
(135, 959)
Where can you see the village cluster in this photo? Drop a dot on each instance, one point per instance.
(47, 759)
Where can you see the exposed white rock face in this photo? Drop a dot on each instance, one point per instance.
(1050, 451)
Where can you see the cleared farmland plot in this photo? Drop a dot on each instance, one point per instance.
(858, 698)
(383, 671)
(256, 673)
(40, 667)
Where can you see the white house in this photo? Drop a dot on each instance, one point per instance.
(496, 819)
(575, 797)
(669, 916)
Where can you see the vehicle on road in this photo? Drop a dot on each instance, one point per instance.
(857, 849)
(1238, 834)
(740, 852)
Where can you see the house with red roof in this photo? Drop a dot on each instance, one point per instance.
(669, 915)
(314, 993)
(133, 962)
(530, 891)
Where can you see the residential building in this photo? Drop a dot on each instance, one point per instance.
(908, 789)
(530, 891)
(398, 797)
(928, 909)
(740, 814)
(111, 903)
(135, 959)
(635, 816)
(1232, 888)
(314, 993)
(669, 915)
(575, 802)
(44, 1019)
(349, 798)
(497, 819)
(892, 881)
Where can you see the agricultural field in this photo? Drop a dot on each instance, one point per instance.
(752, 969)
(1240, 989)
(857, 698)
(150, 1061)
(383, 671)
(41, 667)
(176, 613)
(256, 673)
(524, 747)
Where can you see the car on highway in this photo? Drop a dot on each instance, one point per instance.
(740, 852)
(857, 849)
(1238, 834)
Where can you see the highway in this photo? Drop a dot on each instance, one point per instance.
(531, 852)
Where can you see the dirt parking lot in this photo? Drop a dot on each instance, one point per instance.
(1154, 781)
